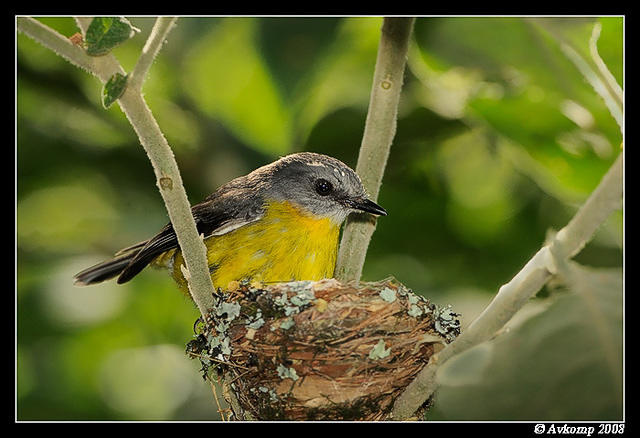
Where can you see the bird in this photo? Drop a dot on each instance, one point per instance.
(279, 223)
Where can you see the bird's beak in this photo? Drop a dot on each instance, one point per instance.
(367, 205)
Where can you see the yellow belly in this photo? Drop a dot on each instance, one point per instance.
(285, 245)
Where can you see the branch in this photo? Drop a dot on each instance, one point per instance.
(153, 141)
(602, 81)
(380, 128)
(154, 43)
(102, 67)
(610, 82)
(605, 199)
(600, 87)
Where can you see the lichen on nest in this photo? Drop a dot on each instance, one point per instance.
(321, 350)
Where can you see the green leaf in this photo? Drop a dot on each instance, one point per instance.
(105, 33)
(562, 364)
(113, 89)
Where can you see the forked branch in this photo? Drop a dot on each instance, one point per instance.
(153, 141)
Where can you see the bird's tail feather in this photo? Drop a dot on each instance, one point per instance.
(105, 270)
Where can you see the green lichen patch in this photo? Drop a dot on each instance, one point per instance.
(415, 311)
(256, 321)
(389, 295)
(232, 310)
(379, 351)
(287, 324)
(287, 372)
(446, 322)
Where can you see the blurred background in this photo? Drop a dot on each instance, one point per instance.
(499, 140)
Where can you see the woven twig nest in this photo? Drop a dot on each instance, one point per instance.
(321, 350)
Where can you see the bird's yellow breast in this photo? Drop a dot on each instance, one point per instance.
(286, 244)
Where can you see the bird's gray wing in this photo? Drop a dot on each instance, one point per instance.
(215, 216)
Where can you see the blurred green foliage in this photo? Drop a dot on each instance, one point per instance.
(518, 377)
(499, 140)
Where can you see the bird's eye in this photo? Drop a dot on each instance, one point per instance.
(323, 187)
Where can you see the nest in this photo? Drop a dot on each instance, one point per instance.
(320, 350)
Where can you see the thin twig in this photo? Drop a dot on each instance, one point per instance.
(601, 80)
(595, 81)
(614, 88)
(380, 128)
(159, 33)
(213, 359)
(215, 397)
